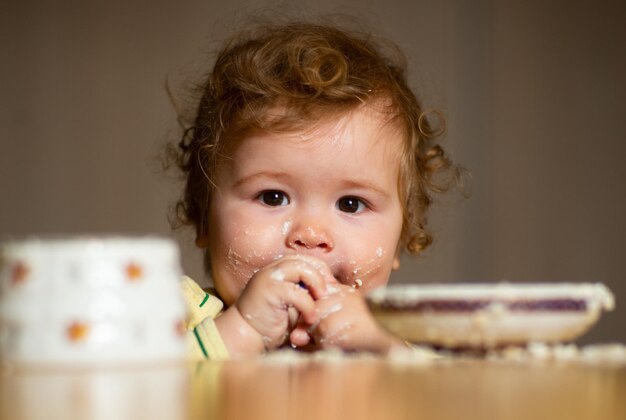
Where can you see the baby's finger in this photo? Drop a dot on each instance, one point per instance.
(315, 262)
(294, 318)
(299, 337)
(291, 296)
(300, 273)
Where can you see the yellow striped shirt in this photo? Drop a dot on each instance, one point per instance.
(204, 339)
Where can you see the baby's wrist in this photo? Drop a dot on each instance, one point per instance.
(390, 343)
(241, 339)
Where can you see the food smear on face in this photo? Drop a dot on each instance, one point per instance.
(353, 154)
(278, 275)
(286, 226)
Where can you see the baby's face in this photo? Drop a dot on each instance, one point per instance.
(330, 192)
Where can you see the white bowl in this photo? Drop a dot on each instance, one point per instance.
(91, 300)
(489, 315)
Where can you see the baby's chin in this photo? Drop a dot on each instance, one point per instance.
(229, 285)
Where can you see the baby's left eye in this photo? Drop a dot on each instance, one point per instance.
(273, 198)
(351, 205)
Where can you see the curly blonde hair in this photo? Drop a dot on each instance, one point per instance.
(309, 71)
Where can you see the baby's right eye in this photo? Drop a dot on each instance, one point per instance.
(274, 198)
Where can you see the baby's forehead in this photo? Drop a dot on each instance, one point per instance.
(364, 123)
(361, 141)
(380, 116)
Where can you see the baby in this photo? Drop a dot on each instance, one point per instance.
(309, 168)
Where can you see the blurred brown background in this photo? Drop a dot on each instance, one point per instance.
(534, 92)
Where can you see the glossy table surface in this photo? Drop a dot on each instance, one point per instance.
(321, 388)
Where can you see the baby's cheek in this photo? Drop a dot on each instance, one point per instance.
(251, 248)
(254, 246)
(373, 267)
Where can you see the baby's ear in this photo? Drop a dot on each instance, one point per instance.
(396, 262)
(202, 241)
(396, 259)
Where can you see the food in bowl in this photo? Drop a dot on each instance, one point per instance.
(489, 315)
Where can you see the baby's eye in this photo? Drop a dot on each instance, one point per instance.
(274, 198)
(350, 204)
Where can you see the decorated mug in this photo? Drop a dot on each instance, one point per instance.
(76, 301)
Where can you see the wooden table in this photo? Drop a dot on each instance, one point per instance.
(333, 388)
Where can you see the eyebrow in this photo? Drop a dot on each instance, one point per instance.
(348, 184)
(263, 174)
(367, 185)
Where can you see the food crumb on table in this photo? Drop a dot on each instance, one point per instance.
(597, 354)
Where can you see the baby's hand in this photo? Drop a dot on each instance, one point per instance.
(345, 322)
(272, 300)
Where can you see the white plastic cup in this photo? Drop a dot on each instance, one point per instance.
(84, 301)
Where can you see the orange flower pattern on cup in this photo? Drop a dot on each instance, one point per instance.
(64, 277)
(77, 331)
(19, 273)
(134, 271)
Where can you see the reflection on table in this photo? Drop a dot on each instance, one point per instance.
(319, 388)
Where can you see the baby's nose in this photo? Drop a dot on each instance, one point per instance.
(306, 236)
